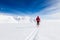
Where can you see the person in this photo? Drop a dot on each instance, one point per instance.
(38, 20)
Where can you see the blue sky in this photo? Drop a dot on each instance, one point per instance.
(14, 26)
(24, 6)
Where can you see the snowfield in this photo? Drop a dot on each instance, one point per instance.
(10, 29)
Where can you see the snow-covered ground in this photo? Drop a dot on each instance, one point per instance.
(10, 29)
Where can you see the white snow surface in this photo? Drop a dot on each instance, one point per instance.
(11, 29)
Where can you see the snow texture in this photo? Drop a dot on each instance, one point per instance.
(12, 30)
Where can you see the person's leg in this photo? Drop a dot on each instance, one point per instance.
(37, 22)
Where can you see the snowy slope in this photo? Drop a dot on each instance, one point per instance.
(10, 29)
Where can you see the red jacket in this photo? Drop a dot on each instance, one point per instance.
(38, 18)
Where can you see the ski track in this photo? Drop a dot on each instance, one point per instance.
(48, 30)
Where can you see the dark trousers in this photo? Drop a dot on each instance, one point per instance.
(37, 22)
